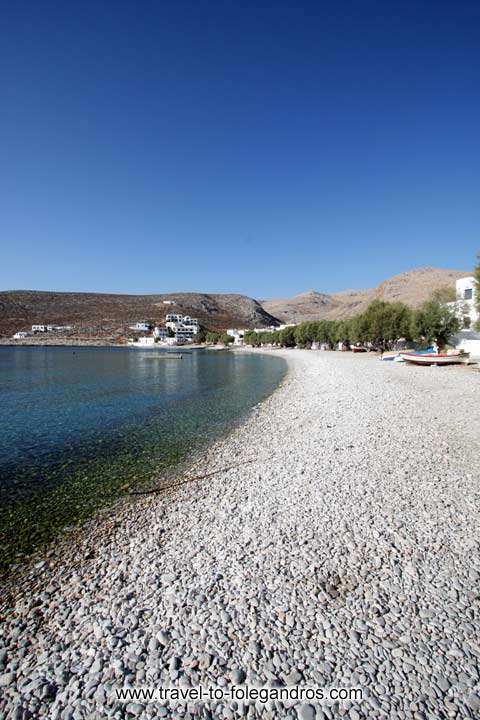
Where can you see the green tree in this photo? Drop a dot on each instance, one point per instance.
(212, 336)
(226, 339)
(251, 338)
(434, 321)
(287, 337)
(302, 334)
(324, 332)
(342, 331)
(382, 324)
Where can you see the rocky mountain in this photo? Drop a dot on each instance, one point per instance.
(412, 288)
(102, 315)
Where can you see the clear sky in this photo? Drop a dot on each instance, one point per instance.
(264, 148)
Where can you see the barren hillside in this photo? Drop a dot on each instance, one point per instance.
(413, 288)
(110, 315)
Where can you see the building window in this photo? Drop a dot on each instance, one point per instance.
(466, 322)
(468, 294)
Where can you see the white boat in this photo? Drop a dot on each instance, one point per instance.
(449, 358)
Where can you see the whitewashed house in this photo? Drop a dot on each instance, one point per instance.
(39, 328)
(466, 302)
(237, 335)
(184, 333)
(160, 333)
(21, 334)
(270, 328)
(465, 307)
(141, 326)
(184, 326)
(173, 318)
(191, 324)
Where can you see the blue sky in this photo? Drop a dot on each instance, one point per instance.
(264, 148)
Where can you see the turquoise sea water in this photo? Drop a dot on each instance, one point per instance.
(77, 425)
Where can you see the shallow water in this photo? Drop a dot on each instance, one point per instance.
(77, 425)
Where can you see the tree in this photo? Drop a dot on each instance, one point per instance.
(342, 331)
(382, 324)
(434, 321)
(301, 334)
(170, 332)
(226, 339)
(251, 338)
(212, 337)
(287, 337)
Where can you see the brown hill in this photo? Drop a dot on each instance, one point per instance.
(412, 288)
(98, 314)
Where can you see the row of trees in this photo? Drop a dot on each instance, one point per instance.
(382, 325)
(217, 337)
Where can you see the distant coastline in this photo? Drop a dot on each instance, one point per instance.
(59, 342)
(94, 342)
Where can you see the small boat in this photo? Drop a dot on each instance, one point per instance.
(386, 356)
(423, 358)
(358, 348)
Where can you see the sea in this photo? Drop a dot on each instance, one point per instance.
(81, 426)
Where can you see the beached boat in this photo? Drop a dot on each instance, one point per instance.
(358, 349)
(423, 358)
(386, 356)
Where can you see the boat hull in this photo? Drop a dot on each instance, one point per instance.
(435, 359)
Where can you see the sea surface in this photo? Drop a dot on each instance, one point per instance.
(80, 426)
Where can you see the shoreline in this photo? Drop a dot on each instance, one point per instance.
(50, 516)
(341, 535)
(93, 343)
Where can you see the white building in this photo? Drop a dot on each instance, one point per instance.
(58, 328)
(466, 308)
(184, 333)
(184, 326)
(141, 326)
(237, 335)
(21, 334)
(39, 328)
(270, 328)
(466, 311)
(160, 333)
(169, 302)
(190, 324)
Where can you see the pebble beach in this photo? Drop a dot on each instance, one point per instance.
(333, 542)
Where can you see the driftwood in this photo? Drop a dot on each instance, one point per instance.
(191, 479)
